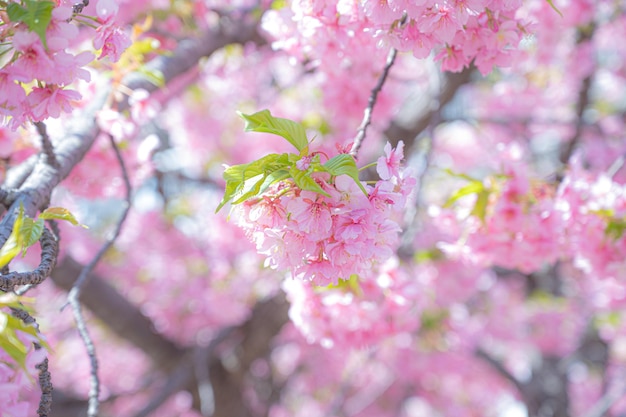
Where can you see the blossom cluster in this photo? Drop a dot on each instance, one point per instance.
(38, 63)
(329, 237)
(522, 230)
(525, 225)
(457, 31)
(595, 208)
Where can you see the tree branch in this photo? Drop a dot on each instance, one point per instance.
(453, 82)
(49, 252)
(584, 35)
(46, 145)
(371, 102)
(45, 380)
(36, 188)
(74, 293)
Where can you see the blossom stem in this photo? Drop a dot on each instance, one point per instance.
(363, 168)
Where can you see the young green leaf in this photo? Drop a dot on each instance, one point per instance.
(60, 213)
(348, 285)
(344, 164)
(14, 243)
(9, 341)
(35, 14)
(473, 187)
(551, 3)
(460, 175)
(30, 231)
(263, 121)
(248, 180)
(480, 207)
(615, 228)
(305, 182)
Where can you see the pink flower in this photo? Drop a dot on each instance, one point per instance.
(106, 9)
(34, 62)
(442, 23)
(312, 215)
(112, 40)
(452, 59)
(50, 101)
(389, 166)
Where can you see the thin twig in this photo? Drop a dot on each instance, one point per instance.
(74, 294)
(89, 267)
(498, 367)
(45, 379)
(181, 376)
(616, 166)
(46, 145)
(581, 103)
(94, 380)
(607, 401)
(371, 102)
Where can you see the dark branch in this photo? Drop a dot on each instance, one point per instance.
(367, 114)
(45, 379)
(46, 146)
(49, 252)
(584, 35)
(121, 316)
(498, 367)
(452, 83)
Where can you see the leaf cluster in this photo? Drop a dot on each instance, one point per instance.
(615, 226)
(474, 186)
(26, 232)
(249, 180)
(11, 325)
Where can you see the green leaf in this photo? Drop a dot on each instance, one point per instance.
(153, 75)
(480, 207)
(60, 213)
(10, 343)
(460, 175)
(13, 245)
(551, 3)
(615, 228)
(263, 121)
(473, 187)
(428, 255)
(348, 285)
(305, 182)
(36, 15)
(433, 319)
(30, 233)
(344, 164)
(248, 180)
(14, 301)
